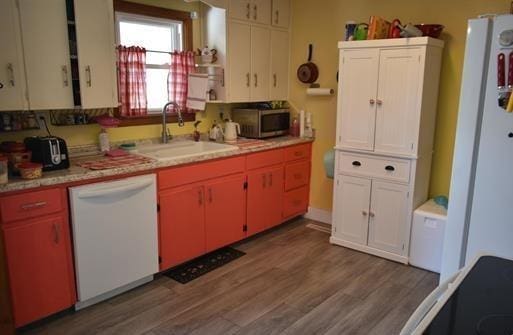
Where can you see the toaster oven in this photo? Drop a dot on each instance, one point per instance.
(262, 123)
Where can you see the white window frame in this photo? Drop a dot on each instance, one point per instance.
(149, 20)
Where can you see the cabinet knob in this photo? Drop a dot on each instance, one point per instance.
(389, 168)
(379, 102)
(372, 101)
(364, 213)
(255, 13)
(357, 163)
(247, 11)
(371, 214)
(256, 80)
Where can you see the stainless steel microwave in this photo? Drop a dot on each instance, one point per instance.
(262, 123)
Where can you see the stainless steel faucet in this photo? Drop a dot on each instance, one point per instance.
(165, 133)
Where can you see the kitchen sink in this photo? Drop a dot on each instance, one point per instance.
(183, 149)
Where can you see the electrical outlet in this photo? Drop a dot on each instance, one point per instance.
(40, 116)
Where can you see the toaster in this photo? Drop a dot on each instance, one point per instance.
(50, 151)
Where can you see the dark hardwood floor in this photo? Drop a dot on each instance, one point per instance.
(291, 281)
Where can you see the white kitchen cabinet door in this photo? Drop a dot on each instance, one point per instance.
(96, 53)
(351, 206)
(240, 61)
(240, 9)
(261, 11)
(260, 63)
(46, 52)
(388, 217)
(357, 98)
(279, 65)
(397, 110)
(281, 13)
(12, 74)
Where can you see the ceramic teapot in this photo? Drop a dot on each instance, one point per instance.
(208, 55)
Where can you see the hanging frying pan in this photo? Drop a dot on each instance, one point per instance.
(308, 72)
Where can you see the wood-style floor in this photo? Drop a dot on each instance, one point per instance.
(291, 281)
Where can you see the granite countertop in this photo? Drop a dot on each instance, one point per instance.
(76, 173)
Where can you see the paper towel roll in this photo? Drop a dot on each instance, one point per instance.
(319, 91)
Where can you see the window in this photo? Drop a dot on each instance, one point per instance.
(160, 31)
(159, 37)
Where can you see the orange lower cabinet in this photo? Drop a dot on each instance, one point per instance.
(295, 202)
(181, 225)
(40, 267)
(265, 191)
(225, 211)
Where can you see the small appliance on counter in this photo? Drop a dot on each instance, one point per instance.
(231, 131)
(262, 123)
(50, 151)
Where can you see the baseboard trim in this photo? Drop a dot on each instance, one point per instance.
(318, 214)
(369, 250)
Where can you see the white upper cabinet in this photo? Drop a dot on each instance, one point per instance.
(255, 11)
(96, 53)
(12, 74)
(357, 98)
(240, 61)
(261, 11)
(386, 88)
(46, 53)
(388, 224)
(240, 9)
(280, 13)
(279, 65)
(397, 101)
(260, 62)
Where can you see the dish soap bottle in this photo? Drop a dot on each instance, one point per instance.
(104, 140)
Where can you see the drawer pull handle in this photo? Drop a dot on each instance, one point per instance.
(296, 202)
(298, 154)
(270, 179)
(210, 195)
(33, 205)
(356, 163)
(298, 175)
(264, 180)
(389, 168)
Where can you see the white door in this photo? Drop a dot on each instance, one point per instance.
(240, 9)
(398, 107)
(279, 65)
(240, 61)
(351, 206)
(261, 11)
(357, 87)
(46, 51)
(260, 62)
(12, 74)
(388, 217)
(96, 53)
(281, 13)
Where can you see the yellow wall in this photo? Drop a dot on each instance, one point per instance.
(322, 23)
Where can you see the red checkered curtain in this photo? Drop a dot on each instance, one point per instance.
(182, 63)
(132, 81)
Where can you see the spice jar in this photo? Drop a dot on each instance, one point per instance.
(4, 178)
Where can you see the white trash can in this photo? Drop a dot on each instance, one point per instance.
(427, 236)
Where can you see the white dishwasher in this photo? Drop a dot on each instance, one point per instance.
(114, 236)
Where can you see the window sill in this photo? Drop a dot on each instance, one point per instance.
(153, 119)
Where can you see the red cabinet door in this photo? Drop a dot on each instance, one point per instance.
(225, 211)
(40, 268)
(181, 225)
(265, 190)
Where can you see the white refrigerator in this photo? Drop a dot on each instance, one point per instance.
(480, 215)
